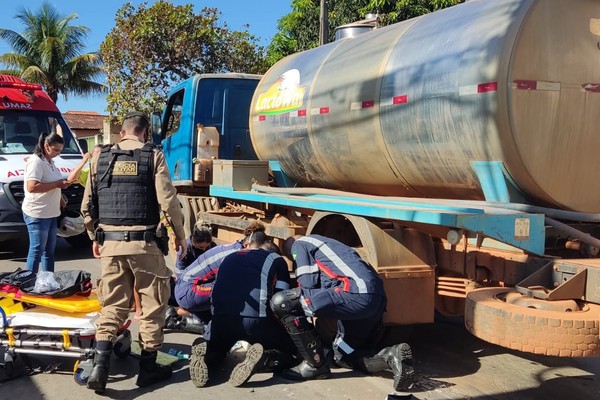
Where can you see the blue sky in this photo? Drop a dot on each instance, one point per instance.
(261, 15)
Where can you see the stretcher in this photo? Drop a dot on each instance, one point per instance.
(54, 327)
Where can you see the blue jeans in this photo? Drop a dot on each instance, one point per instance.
(42, 241)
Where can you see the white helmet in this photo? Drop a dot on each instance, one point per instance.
(71, 224)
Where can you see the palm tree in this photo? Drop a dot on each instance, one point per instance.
(49, 52)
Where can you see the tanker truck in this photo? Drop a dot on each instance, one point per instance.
(455, 152)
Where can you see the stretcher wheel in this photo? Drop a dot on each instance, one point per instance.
(81, 371)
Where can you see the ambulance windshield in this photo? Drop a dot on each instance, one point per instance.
(20, 131)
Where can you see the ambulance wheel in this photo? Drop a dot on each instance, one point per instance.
(506, 318)
(80, 374)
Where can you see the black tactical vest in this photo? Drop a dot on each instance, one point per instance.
(124, 182)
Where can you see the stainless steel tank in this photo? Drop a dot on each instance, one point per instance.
(405, 110)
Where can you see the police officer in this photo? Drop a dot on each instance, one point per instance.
(129, 187)
(240, 306)
(334, 282)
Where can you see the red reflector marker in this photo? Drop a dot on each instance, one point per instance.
(368, 104)
(302, 113)
(324, 110)
(526, 85)
(403, 99)
(262, 117)
(591, 87)
(487, 87)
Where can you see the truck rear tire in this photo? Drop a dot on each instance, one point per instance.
(551, 333)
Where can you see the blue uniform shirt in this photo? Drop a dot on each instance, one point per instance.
(246, 282)
(190, 256)
(202, 272)
(324, 263)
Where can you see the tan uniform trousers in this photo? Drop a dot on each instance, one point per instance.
(121, 275)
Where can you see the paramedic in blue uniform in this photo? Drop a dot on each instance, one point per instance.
(200, 241)
(128, 187)
(178, 317)
(194, 284)
(240, 298)
(335, 283)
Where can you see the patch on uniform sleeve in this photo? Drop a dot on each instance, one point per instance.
(294, 255)
(125, 168)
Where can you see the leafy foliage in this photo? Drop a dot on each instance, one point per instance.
(49, 52)
(299, 30)
(152, 48)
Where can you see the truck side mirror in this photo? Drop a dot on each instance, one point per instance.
(156, 126)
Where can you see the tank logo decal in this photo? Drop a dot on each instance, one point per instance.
(477, 89)
(283, 96)
(535, 85)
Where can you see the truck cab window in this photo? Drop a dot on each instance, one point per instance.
(173, 114)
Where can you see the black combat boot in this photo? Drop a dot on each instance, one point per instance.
(150, 371)
(305, 371)
(398, 358)
(259, 360)
(178, 322)
(99, 374)
(172, 319)
(193, 324)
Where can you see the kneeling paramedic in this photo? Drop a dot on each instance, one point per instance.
(240, 305)
(335, 283)
(128, 188)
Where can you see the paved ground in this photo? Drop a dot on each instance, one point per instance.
(451, 364)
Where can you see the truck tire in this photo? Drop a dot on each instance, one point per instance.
(551, 333)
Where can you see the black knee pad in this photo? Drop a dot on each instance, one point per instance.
(286, 303)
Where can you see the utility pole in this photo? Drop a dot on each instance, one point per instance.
(323, 24)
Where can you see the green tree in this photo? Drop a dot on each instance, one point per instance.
(152, 48)
(299, 30)
(50, 52)
(393, 11)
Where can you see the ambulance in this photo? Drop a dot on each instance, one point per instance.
(26, 111)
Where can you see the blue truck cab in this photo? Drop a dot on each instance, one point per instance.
(206, 117)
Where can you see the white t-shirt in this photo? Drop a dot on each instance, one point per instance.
(47, 204)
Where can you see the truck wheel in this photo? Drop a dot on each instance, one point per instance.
(530, 328)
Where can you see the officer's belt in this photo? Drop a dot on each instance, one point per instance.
(126, 236)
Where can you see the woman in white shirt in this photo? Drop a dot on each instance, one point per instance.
(41, 206)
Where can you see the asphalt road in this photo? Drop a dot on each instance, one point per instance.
(450, 364)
